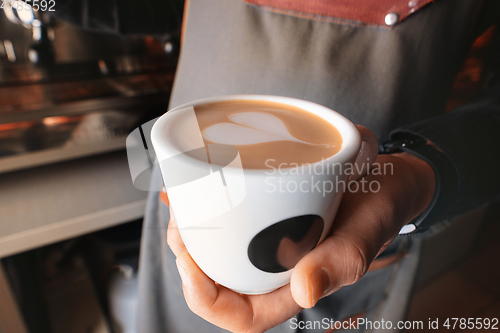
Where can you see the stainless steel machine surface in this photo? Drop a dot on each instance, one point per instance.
(67, 93)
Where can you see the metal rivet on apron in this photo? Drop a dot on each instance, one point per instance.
(391, 19)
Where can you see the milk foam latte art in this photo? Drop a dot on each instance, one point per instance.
(249, 128)
(264, 131)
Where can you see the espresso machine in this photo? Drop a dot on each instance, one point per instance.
(68, 100)
(67, 93)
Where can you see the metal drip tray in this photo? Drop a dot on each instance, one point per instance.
(51, 139)
(52, 122)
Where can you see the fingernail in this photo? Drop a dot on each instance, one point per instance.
(318, 284)
(182, 272)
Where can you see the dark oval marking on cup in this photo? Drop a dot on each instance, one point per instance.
(280, 246)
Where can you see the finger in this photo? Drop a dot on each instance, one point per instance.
(229, 310)
(174, 239)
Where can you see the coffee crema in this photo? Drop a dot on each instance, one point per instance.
(268, 131)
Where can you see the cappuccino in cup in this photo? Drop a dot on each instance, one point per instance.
(215, 157)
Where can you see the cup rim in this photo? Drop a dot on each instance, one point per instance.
(351, 138)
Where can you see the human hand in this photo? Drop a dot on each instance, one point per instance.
(364, 226)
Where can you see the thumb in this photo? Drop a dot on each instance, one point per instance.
(365, 223)
(335, 263)
(359, 232)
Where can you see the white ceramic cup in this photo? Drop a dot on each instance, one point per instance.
(228, 217)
